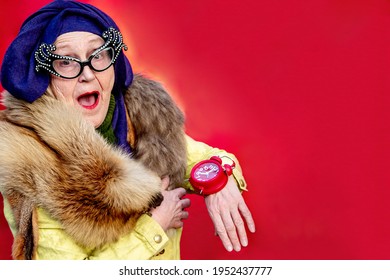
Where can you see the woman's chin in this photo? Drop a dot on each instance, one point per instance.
(95, 121)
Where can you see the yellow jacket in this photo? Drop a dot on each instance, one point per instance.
(146, 241)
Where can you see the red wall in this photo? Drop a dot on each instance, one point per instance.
(298, 90)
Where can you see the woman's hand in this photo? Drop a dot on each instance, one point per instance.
(227, 209)
(171, 212)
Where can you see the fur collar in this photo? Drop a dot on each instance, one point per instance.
(51, 158)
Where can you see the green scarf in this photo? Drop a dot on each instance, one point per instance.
(105, 129)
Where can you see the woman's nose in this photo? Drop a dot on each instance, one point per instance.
(87, 74)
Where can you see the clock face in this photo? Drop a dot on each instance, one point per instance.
(206, 171)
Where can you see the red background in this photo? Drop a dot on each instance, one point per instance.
(298, 90)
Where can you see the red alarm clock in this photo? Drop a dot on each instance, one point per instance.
(210, 176)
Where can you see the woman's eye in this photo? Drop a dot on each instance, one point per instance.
(64, 63)
(100, 55)
(64, 66)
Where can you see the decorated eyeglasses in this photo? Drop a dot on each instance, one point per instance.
(69, 67)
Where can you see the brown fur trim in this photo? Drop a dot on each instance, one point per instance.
(23, 246)
(93, 189)
(159, 128)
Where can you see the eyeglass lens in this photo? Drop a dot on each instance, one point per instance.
(69, 67)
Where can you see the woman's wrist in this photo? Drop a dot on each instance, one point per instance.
(155, 215)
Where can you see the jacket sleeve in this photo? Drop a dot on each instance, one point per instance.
(197, 151)
(146, 240)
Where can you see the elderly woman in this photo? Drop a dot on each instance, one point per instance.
(94, 161)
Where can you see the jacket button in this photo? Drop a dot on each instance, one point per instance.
(157, 238)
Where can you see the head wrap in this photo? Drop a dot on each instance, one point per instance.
(18, 75)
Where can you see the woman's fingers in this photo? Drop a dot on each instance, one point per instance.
(229, 214)
(185, 203)
(220, 231)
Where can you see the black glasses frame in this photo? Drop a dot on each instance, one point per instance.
(82, 64)
(44, 56)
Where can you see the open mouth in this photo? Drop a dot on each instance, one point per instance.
(89, 100)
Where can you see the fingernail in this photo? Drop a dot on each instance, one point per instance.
(229, 248)
(244, 243)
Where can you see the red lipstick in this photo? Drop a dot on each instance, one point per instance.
(89, 100)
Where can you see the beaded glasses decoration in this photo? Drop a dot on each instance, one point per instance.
(69, 67)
